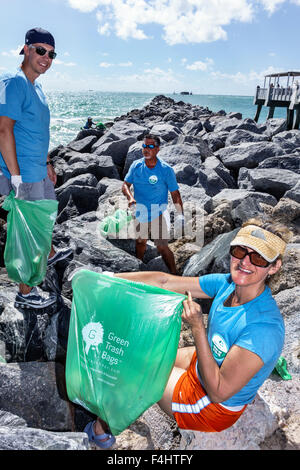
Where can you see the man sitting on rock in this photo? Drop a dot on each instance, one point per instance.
(24, 141)
(152, 179)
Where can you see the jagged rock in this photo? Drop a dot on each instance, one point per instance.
(269, 180)
(248, 154)
(21, 438)
(117, 150)
(35, 392)
(84, 145)
(285, 162)
(238, 136)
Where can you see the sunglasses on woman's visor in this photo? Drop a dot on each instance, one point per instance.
(42, 51)
(256, 259)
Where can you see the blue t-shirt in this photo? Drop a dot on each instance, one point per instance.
(151, 186)
(26, 104)
(257, 326)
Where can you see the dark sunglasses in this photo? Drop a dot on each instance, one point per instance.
(150, 146)
(256, 259)
(42, 51)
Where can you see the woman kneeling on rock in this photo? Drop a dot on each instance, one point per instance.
(212, 383)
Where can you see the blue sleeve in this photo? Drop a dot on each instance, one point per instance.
(171, 180)
(263, 339)
(211, 283)
(130, 174)
(11, 99)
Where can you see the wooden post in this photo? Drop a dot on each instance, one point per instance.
(258, 110)
(271, 112)
(289, 119)
(297, 119)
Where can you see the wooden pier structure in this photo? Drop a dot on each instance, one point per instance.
(275, 95)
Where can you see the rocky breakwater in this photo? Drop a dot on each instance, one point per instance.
(229, 169)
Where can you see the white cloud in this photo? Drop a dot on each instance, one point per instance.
(182, 21)
(245, 78)
(85, 6)
(66, 64)
(199, 65)
(271, 5)
(105, 65)
(12, 52)
(126, 64)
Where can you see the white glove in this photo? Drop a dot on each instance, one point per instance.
(179, 221)
(108, 273)
(16, 181)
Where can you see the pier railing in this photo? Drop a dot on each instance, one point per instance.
(283, 97)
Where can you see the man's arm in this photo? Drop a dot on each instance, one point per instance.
(177, 201)
(8, 145)
(126, 191)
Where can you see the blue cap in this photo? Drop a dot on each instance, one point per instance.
(38, 35)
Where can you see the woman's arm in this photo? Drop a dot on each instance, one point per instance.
(167, 281)
(239, 366)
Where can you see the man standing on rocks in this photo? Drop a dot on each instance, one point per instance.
(24, 141)
(152, 179)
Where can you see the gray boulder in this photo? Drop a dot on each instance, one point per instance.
(237, 136)
(236, 196)
(35, 392)
(270, 180)
(166, 132)
(26, 438)
(117, 150)
(285, 162)
(84, 145)
(248, 154)
(294, 193)
(288, 140)
(179, 153)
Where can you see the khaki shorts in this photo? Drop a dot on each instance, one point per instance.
(156, 230)
(29, 191)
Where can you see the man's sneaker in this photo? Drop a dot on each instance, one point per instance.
(59, 255)
(34, 300)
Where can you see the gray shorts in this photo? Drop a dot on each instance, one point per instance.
(43, 189)
(156, 230)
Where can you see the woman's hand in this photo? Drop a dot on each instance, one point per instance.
(192, 312)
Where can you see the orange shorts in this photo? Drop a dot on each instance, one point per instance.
(192, 408)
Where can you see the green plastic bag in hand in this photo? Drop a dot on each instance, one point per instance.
(112, 224)
(29, 236)
(122, 345)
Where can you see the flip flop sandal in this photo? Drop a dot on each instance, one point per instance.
(104, 441)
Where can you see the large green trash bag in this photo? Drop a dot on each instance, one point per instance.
(122, 345)
(29, 237)
(112, 224)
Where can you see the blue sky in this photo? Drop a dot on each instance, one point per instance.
(157, 46)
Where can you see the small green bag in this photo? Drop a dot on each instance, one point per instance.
(122, 345)
(112, 224)
(29, 237)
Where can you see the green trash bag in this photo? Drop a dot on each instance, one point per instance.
(112, 224)
(29, 237)
(122, 345)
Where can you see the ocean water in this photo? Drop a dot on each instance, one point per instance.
(69, 110)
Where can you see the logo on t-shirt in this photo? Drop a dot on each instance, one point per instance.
(153, 179)
(219, 347)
